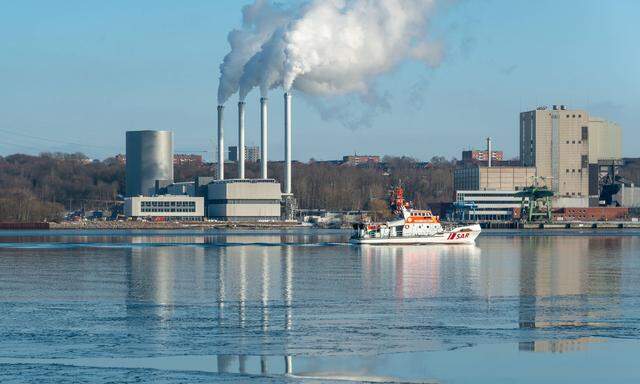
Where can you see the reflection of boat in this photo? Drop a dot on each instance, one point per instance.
(413, 226)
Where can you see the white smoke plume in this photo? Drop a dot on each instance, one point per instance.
(325, 47)
(260, 20)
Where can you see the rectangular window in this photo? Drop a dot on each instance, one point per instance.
(585, 133)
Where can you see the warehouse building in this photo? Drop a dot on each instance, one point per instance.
(244, 200)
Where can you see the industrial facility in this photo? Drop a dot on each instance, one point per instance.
(152, 194)
(569, 155)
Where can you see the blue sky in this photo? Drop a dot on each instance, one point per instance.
(75, 75)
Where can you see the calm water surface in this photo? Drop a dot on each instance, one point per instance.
(305, 306)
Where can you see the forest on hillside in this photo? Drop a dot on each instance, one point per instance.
(44, 187)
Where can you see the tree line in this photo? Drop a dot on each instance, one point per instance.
(44, 187)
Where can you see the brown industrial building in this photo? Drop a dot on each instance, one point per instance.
(592, 214)
(481, 155)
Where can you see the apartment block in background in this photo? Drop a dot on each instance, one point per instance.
(251, 154)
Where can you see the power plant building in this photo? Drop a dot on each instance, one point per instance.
(476, 177)
(149, 157)
(556, 142)
(566, 146)
(152, 193)
(605, 140)
(244, 200)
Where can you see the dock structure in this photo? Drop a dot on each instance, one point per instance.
(557, 225)
(581, 225)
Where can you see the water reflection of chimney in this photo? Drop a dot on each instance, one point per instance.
(224, 363)
(263, 365)
(221, 284)
(243, 286)
(265, 290)
(288, 291)
(288, 365)
(399, 287)
(242, 364)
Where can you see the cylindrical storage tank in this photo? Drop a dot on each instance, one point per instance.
(149, 158)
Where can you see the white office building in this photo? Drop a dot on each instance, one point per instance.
(172, 207)
(489, 205)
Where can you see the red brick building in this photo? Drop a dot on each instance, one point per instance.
(477, 155)
(592, 214)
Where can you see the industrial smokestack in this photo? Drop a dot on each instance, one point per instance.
(287, 143)
(489, 152)
(263, 137)
(220, 144)
(241, 140)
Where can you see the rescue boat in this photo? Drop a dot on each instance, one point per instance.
(412, 226)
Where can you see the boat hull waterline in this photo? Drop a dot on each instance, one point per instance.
(460, 235)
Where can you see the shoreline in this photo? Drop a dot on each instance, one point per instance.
(139, 225)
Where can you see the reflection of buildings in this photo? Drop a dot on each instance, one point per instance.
(416, 271)
(558, 275)
(251, 282)
(155, 272)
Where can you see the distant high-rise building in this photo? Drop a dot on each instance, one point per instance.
(556, 142)
(251, 154)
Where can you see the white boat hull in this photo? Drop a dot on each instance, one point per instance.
(460, 235)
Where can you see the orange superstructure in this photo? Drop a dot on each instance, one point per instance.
(421, 216)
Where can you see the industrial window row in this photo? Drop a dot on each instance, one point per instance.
(244, 201)
(492, 202)
(165, 210)
(168, 204)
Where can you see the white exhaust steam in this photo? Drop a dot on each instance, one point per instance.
(325, 47)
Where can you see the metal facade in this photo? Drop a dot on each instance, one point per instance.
(149, 158)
